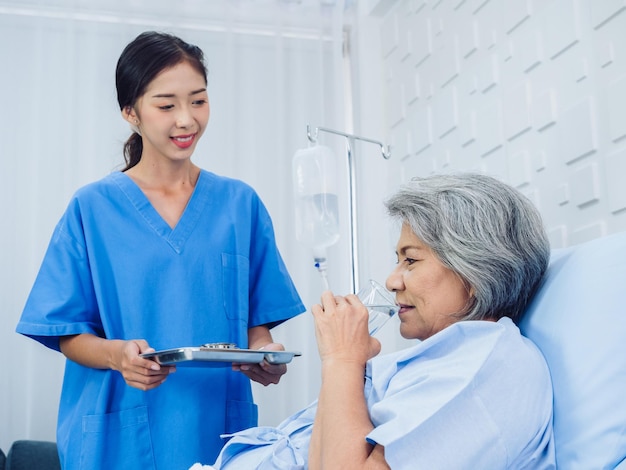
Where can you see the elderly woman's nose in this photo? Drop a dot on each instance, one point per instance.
(394, 280)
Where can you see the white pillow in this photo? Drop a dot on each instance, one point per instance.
(578, 320)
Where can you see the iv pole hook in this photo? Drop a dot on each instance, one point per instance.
(386, 153)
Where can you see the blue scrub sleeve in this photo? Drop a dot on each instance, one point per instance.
(62, 301)
(273, 296)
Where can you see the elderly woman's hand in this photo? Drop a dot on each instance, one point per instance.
(341, 329)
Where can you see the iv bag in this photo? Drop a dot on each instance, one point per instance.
(316, 201)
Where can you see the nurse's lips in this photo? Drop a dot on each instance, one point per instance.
(183, 141)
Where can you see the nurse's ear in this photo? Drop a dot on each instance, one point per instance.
(130, 115)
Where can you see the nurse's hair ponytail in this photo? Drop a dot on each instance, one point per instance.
(140, 62)
(133, 148)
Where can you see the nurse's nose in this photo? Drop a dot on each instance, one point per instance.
(395, 282)
(184, 118)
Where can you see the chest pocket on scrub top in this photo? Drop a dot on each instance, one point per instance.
(235, 285)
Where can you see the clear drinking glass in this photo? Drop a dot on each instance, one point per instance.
(379, 302)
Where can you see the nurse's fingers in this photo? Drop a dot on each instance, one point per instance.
(263, 373)
(146, 379)
(144, 366)
(145, 383)
(139, 372)
(137, 347)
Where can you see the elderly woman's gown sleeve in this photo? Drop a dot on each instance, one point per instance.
(115, 269)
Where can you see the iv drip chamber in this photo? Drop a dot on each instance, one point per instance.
(316, 201)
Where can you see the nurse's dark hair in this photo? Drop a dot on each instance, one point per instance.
(485, 231)
(141, 61)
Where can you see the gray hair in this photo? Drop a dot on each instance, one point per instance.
(487, 232)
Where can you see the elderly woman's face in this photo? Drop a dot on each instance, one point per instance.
(428, 293)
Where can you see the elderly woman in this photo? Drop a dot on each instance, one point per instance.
(472, 393)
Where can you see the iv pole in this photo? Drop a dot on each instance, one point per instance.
(350, 141)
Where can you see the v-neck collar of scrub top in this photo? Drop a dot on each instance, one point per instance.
(177, 236)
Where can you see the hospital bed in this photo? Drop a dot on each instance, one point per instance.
(578, 320)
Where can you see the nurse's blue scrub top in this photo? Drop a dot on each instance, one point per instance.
(114, 268)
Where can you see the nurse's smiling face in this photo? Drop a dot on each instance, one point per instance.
(172, 114)
(429, 294)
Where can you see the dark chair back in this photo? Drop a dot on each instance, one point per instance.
(30, 455)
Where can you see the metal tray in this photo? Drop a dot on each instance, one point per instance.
(219, 356)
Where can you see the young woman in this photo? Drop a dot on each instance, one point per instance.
(160, 255)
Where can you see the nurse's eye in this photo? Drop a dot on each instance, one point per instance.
(200, 102)
(166, 107)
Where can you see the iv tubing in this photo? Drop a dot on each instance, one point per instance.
(320, 264)
(352, 185)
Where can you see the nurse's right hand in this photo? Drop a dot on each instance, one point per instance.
(144, 374)
(123, 356)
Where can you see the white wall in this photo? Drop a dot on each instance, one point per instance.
(531, 91)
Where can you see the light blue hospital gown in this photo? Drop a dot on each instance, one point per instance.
(114, 268)
(477, 395)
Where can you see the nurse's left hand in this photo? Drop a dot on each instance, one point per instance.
(264, 373)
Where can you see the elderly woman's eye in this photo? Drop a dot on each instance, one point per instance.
(409, 261)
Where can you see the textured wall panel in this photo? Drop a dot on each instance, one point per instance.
(495, 164)
(559, 27)
(389, 35)
(583, 233)
(529, 49)
(445, 112)
(405, 44)
(411, 84)
(616, 100)
(558, 236)
(514, 14)
(421, 38)
(562, 194)
(603, 11)
(489, 124)
(467, 131)
(533, 91)
(516, 110)
(401, 141)
(468, 38)
(615, 172)
(539, 160)
(585, 182)
(487, 73)
(420, 127)
(520, 169)
(469, 83)
(577, 131)
(477, 5)
(447, 63)
(606, 54)
(544, 110)
(396, 105)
